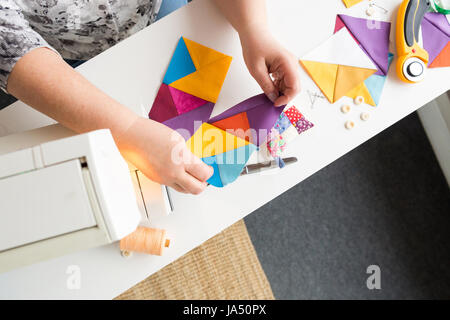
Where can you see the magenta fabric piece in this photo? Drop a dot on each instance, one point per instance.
(261, 114)
(339, 24)
(185, 102)
(189, 122)
(303, 125)
(373, 38)
(163, 108)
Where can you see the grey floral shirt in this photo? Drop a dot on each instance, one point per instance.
(77, 29)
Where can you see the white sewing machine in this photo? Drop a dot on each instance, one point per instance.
(61, 192)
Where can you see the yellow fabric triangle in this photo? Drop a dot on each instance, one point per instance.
(201, 55)
(348, 78)
(361, 90)
(206, 82)
(209, 141)
(324, 75)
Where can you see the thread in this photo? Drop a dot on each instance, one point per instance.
(145, 240)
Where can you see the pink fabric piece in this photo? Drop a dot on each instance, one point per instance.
(185, 102)
(163, 108)
(339, 24)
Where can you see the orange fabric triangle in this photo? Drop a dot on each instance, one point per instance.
(443, 59)
(201, 55)
(324, 75)
(206, 82)
(361, 90)
(349, 78)
(238, 124)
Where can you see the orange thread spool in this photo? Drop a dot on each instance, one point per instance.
(145, 240)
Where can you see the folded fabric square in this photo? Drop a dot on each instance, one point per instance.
(338, 65)
(193, 79)
(227, 141)
(436, 39)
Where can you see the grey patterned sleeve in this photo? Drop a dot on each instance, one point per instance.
(16, 38)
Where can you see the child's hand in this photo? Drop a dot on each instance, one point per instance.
(158, 152)
(263, 55)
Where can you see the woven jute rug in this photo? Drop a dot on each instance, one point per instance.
(224, 267)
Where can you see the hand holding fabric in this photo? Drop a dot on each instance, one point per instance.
(161, 154)
(273, 67)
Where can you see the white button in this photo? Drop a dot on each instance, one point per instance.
(370, 11)
(365, 116)
(345, 108)
(359, 100)
(349, 125)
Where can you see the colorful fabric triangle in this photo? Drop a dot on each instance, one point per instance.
(231, 163)
(351, 3)
(181, 64)
(185, 102)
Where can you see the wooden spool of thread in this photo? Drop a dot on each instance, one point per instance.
(145, 240)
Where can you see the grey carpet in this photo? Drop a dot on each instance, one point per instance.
(385, 203)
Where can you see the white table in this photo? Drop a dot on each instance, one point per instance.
(132, 71)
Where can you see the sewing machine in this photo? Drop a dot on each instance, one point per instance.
(62, 192)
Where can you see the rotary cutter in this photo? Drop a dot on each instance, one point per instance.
(412, 58)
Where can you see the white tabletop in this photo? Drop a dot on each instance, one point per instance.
(132, 71)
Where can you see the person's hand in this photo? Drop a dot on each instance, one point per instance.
(264, 56)
(161, 154)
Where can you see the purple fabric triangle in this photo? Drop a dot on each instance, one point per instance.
(434, 41)
(262, 119)
(261, 114)
(163, 108)
(439, 21)
(185, 102)
(187, 123)
(242, 107)
(373, 37)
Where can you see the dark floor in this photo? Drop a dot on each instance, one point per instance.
(5, 99)
(386, 203)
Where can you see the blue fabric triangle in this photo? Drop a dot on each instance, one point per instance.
(232, 163)
(181, 64)
(375, 84)
(215, 178)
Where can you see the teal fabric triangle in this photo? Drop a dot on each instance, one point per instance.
(375, 84)
(215, 178)
(232, 163)
(181, 64)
